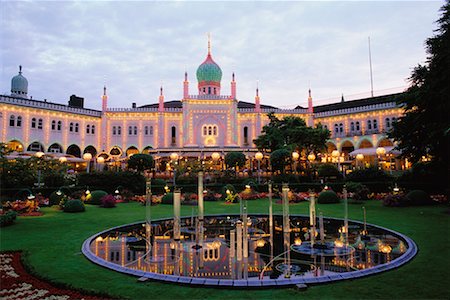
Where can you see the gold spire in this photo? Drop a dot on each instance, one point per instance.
(209, 43)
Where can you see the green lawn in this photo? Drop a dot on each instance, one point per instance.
(54, 240)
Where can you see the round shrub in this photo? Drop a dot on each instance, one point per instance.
(75, 205)
(358, 190)
(108, 201)
(167, 199)
(158, 185)
(328, 197)
(328, 170)
(55, 199)
(394, 200)
(95, 197)
(418, 197)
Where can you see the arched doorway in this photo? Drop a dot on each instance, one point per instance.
(346, 148)
(131, 150)
(90, 149)
(115, 151)
(35, 147)
(15, 145)
(385, 143)
(74, 150)
(147, 150)
(365, 144)
(55, 148)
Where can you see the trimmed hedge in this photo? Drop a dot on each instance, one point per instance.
(8, 218)
(167, 199)
(418, 197)
(95, 197)
(74, 205)
(327, 197)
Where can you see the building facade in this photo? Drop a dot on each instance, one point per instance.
(201, 123)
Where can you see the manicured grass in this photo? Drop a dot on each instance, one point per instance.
(54, 240)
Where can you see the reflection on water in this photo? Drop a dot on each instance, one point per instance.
(224, 253)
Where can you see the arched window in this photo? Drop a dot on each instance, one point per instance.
(388, 122)
(394, 119)
(375, 124)
(114, 130)
(209, 90)
(33, 123)
(119, 130)
(357, 126)
(59, 125)
(53, 125)
(19, 121)
(215, 91)
(146, 130)
(205, 130)
(88, 129)
(174, 135)
(245, 135)
(352, 126)
(215, 130)
(209, 130)
(130, 130)
(336, 128)
(151, 130)
(369, 124)
(71, 127)
(93, 129)
(76, 127)
(135, 130)
(341, 128)
(39, 126)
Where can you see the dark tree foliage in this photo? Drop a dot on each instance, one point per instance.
(291, 133)
(233, 159)
(425, 127)
(279, 159)
(140, 162)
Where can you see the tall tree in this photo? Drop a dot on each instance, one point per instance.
(291, 133)
(425, 127)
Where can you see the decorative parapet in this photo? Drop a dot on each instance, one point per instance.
(49, 106)
(210, 97)
(358, 109)
(274, 110)
(143, 109)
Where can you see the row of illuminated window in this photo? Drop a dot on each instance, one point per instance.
(132, 130)
(210, 130)
(38, 123)
(371, 125)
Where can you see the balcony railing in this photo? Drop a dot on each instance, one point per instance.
(356, 109)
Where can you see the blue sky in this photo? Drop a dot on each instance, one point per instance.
(70, 48)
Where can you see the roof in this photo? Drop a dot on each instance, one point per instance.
(357, 103)
(179, 104)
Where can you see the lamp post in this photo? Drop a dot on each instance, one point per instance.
(174, 159)
(335, 154)
(87, 157)
(295, 157)
(100, 162)
(259, 156)
(311, 157)
(359, 160)
(215, 157)
(380, 152)
(39, 155)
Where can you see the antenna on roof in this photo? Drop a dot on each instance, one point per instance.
(371, 76)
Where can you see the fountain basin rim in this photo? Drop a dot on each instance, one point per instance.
(252, 282)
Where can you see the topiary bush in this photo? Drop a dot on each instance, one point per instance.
(396, 200)
(95, 197)
(8, 218)
(74, 205)
(158, 185)
(418, 197)
(328, 170)
(368, 175)
(357, 190)
(55, 199)
(167, 199)
(327, 197)
(108, 201)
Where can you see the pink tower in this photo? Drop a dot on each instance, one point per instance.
(257, 101)
(310, 104)
(104, 100)
(161, 101)
(233, 87)
(185, 86)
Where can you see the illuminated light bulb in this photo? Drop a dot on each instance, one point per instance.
(63, 159)
(260, 243)
(297, 241)
(99, 239)
(338, 243)
(385, 249)
(39, 154)
(295, 155)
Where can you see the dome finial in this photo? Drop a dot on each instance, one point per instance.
(257, 88)
(104, 90)
(209, 43)
(20, 69)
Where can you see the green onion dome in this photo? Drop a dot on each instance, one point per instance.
(209, 71)
(19, 84)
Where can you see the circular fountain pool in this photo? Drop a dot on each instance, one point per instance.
(224, 258)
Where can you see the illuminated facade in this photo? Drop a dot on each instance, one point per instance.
(194, 126)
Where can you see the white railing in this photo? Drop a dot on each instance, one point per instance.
(275, 110)
(210, 97)
(356, 109)
(48, 105)
(143, 109)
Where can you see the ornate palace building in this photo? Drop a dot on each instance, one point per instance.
(198, 125)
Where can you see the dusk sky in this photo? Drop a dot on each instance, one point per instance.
(70, 48)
